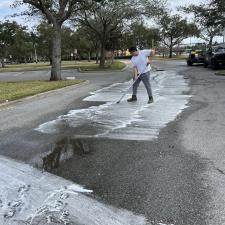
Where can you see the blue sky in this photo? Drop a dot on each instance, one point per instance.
(4, 8)
(6, 11)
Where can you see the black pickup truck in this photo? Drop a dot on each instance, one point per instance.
(215, 57)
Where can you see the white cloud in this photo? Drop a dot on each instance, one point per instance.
(173, 4)
(5, 4)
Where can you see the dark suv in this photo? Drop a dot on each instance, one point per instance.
(196, 56)
(215, 57)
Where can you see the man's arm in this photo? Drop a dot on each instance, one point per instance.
(149, 53)
(150, 58)
(135, 73)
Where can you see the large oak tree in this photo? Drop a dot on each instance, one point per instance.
(56, 12)
(106, 20)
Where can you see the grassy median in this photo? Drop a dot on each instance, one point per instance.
(19, 89)
(166, 58)
(95, 67)
(82, 65)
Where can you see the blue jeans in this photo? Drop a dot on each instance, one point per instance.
(145, 78)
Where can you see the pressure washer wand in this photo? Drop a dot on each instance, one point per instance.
(125, 92)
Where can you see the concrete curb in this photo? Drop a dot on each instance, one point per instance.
(86, 82)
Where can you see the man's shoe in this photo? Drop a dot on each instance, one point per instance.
(132, 99)
(150, 100)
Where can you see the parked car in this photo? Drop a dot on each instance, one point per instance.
(215, 57)
(196, 56)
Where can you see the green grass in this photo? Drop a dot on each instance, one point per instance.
(83, 65)
(20, 89)
(180, 57)
(95, 67)
(39, 66)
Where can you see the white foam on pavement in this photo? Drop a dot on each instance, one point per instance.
(28, 196)
(128, 121)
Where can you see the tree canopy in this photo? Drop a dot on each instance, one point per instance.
(174, 29)
(209, 20)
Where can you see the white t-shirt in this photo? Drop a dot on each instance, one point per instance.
(140, 61)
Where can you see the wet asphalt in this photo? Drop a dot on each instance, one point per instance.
(175, 179)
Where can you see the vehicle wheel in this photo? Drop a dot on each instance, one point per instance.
(189, 63)
(215, 65)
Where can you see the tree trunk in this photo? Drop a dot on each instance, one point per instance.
(113, 57)
(3, 63)
(103, 54)
(210, 41)
(56, 53)
(50, 53)
(35, 54)
(97, 58)
(89, 56)
(171, 48)
(171, 52)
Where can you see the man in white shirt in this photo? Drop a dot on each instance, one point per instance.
(141, 61)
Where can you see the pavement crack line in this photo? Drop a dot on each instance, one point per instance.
(220, 171)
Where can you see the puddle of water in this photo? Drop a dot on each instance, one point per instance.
(62, 151)
(128, 121)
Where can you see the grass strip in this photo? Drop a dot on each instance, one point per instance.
(166, 58)
(117, 66)
(82, 65)
(13, 90)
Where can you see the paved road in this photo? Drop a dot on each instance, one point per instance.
(169, 168)
(33, 75)
(45, 75)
